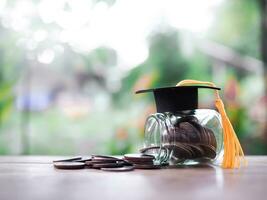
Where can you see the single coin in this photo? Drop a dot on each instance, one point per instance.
(158, 150)
(192, 132)
(107, 165)
(102, 159)
(191, 152)
(119, 169)
(145, 149)
(138, 157)
(210, 151)
(147, 166)
(107, 157)
(83, 160)
(180, 135)
(69, 165)
(69, 159)
(199, 129)
(141, 162)
(181, 151)
(93, 162)
(207, 136)
(198, 151)
(126, 163)
(211, 137)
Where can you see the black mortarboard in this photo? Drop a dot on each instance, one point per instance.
(179, 98)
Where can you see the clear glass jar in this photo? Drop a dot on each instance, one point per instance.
(184, 137)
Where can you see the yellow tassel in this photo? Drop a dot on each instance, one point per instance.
(232, 149)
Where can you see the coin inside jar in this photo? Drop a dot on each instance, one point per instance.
(190, 140)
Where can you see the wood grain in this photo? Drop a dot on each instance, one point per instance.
(36, 178)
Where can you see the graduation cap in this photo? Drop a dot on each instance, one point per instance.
(185, 97)
(179, 98)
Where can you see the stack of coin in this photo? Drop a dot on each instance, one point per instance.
(127, 162)
(70, 163)
(141, 161)
(190, 140)
(104, 161)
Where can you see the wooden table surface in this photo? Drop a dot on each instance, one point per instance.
(35, 178)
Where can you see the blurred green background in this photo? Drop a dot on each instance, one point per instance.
(69, 69)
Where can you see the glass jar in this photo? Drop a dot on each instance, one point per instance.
(184, 137)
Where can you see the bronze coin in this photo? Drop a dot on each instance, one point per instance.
(208, 137)
(92, 162)
(211, 137)
(179, 151)
(107, 165)
(145, 149)
(180, 135)
(99, 159)
(69, 159)
(69, 165)
(119, 169)
(136, 166)
(198, 151)
(138, 157)
(192, 132)
(205, 136)
(188, 149)
(140, 162)
(108, 157)
(161, 151)
(83, 160)
(199, 129)
(210, 151)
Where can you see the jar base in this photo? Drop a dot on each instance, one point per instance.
(194, 162)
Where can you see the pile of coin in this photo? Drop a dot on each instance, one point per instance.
(141, 161)
(190, 140)
(127, 162)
